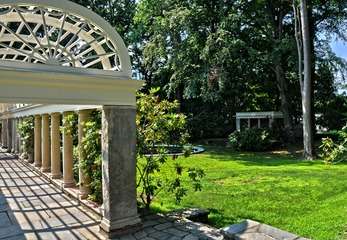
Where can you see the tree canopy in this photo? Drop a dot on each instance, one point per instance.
(219, 57)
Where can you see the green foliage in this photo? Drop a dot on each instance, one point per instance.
(91, 164)
(70, 126)
(279, 189)
(26, 131)
(159, 125)
(334, 152)
(252, 139)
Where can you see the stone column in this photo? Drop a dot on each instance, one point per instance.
(68, 177)
(4, 134)
(84, 181)
(14, 135)
(9, 135)
(46, 150)
(119, 171)
(238, 124)
(20, 140)
(55, 146)
(37, 141)
(17, 150)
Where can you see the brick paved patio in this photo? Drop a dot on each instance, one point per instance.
(31, 208)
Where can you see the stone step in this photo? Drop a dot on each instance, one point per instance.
(251, 230)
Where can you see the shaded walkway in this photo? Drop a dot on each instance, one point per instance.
(31, 208)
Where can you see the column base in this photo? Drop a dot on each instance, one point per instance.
(83, 194)
(120, 227)
(56, 176)
(38, 165)
(45, 170)
(69, 184)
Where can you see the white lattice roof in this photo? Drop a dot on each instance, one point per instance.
(59, 32)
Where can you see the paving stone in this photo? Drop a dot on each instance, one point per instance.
(4, 220)
(176, 232)
(163, 226)
(128, 237)
(149, 230)
(160, 235)
(140, 235)
(150, 223)
(190, 237)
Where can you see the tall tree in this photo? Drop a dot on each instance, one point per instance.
(305, 73)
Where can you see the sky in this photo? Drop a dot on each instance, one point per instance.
(340, 48)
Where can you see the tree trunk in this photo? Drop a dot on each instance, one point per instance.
(307, 83)
(277, 14)
(283, 90)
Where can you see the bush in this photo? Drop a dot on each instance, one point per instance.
(26, 131)
(332, 151)
(159, 125)
(252, 139)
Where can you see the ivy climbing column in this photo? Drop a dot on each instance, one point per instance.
(84, 183)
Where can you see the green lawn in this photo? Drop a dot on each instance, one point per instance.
(306, 198)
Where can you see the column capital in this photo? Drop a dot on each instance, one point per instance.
(55, 114)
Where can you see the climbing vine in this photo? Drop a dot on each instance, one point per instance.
(26, 132)
(70, 126)
(91, 164)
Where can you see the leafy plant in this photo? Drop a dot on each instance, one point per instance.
(159, 126)
(252, 139)
(26, 131)
(91, 164)
(334, 152)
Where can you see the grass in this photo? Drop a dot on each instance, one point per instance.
(302, 197)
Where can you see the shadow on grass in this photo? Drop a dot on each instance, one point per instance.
(275, 158)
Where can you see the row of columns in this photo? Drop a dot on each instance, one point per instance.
(10, 138)
(118, 155)
(47, 144)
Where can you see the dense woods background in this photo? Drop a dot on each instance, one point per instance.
(219, 57)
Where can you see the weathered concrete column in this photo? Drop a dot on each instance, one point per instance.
(37, 141)
(68, 177)
(119, 171)
(9, 135)
(46, 147)
(84, 181)
(55, 146)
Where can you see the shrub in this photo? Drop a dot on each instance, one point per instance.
(26, 131)
(159, 125)
(91, 164)
(252, 139)
(332, 151)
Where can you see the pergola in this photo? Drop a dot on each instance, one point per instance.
(259, 117)
(57, 57)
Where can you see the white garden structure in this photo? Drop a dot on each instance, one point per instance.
(57, 57)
